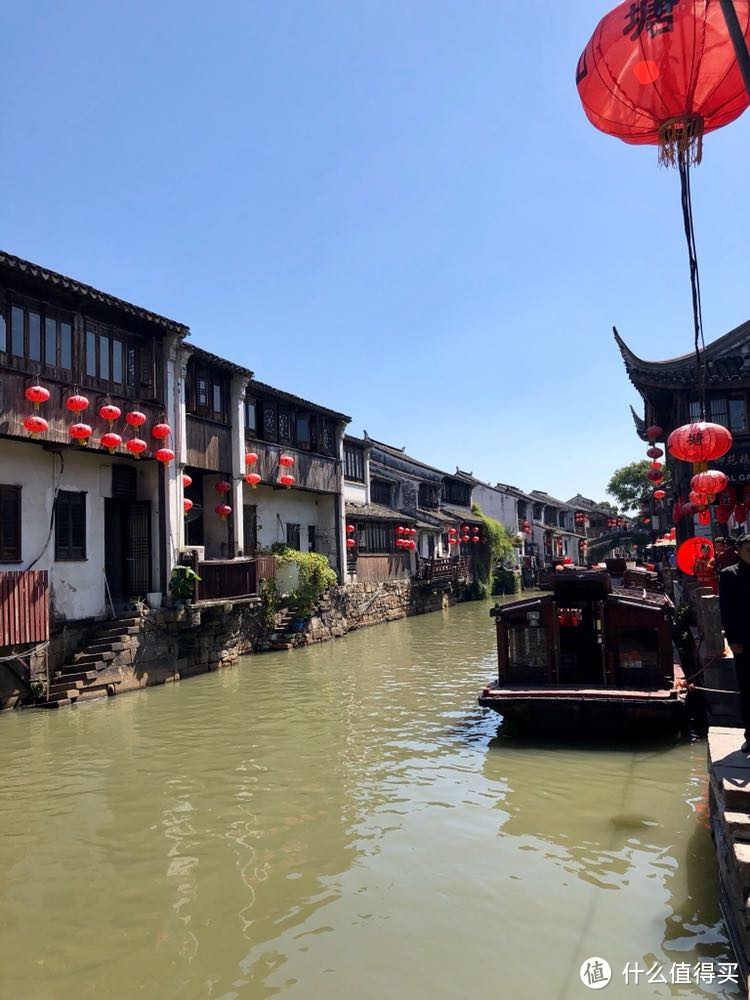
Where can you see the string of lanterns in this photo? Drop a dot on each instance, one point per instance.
(404, 537)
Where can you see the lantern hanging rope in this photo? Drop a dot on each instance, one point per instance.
(666, 74)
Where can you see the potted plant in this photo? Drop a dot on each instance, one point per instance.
(181, 584)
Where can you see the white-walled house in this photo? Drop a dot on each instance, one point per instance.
(98, 522)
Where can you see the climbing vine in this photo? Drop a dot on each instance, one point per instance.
(315, 577)
(495, 559)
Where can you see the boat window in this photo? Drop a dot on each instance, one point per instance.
(527, 646)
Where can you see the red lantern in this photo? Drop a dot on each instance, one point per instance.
(252, 479)
(286, 461)
(699, 499)
(222, 486)
(689, 551)
(76, 403)
(164, 455)
(654, 453)
(567, 561)
(350, 529)
(654, 433)
(350, 543)
(161, 431)
(35, 425)
(287, 481)
(400, 543)
(80, 432)
(659, 494)
(36, 394)
(475, 538)
(654, 476)
(740, 513)
(452, 531)
(710, 483)
(110, 442)
(464, 538)
(136, 447)
(251, 458)
(186, 480)
(662, 75)
(187, 505)
(699, 442)
(223, 510)
(135, 418)
(452, 541)
(109, 412)
(400, 530)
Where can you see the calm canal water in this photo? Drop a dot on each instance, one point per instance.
(343, 822)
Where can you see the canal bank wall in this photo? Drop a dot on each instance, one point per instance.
(152, 647)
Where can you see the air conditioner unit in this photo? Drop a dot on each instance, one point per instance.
(190, 551)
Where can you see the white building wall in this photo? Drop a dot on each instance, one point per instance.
(78, 589)
(277, 508)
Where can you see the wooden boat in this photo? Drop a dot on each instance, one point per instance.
(588, 659)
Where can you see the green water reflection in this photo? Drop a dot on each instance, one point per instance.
(343, 821)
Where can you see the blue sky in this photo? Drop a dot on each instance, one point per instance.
(396, 209)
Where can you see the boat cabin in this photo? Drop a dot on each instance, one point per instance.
(585, 632)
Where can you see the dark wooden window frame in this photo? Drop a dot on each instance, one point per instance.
(212, 382)
(137, 361)
(381, 492)
(10, 497)
(70, 539)
(354, 464)
(63, 331)
(293, 535)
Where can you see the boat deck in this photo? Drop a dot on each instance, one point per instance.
(574, 691)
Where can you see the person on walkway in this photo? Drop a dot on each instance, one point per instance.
(725, 553)
(703, 569)
(734, 604)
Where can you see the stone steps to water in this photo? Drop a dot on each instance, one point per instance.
(77, 678)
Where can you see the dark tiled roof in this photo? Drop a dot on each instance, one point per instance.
(375, 512)
(268, 390)
(356, 442)
(461, 514)
(214, 360)
(17, 265)
(583, 503)
(727, 359)
(389, 449)
(541, 497)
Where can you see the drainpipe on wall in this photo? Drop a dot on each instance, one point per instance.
(237, 412)
(339, 509)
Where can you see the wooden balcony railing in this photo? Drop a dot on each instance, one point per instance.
(24, 607)
(225, 578)
(441, 570)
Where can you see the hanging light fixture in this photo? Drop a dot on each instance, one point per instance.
(161, 431)
(186, 480)
(36, 394)
(35, 425)
(187, 505)
(252, 479)
(80, 432)
(76, 403)
(164, 455)
(136, 447)
(251, 458)
(134, 418)
(223, 510)
(286, 480)
(286, 461)
(110, 412)
(110, 441)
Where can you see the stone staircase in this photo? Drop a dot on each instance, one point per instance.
(80, 678)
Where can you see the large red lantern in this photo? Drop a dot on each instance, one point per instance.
(161, 431)
(76, 403)
(36, 394)
(699, 442)
(710, 483)
(187, 505)
(80, 432)
(286, 480)
(164, 455)
(110, 412)
(135, 418)
(699, 499)
(663, 74)
(452, 540)
(110, 442)
(251, 458)
(136, 447)
(654, 476)
(286, 461)
(689, 551)
(654, 433)
(35, 425)
(222, 486)
(659, 494)
(252, 479)
(350, 529)
(223, 510)
(350, 543)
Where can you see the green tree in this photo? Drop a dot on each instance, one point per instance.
(628, 484)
